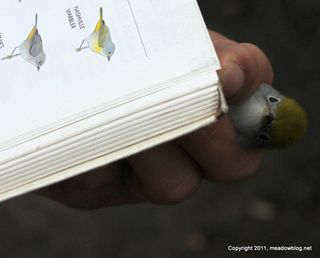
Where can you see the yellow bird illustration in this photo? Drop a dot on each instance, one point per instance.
(99, 41)
(31, 49)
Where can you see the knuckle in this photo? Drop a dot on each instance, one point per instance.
(236, 171)
(252, 48)
(176, 194)
(257, 60)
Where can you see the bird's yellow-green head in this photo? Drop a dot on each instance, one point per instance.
(290, 124)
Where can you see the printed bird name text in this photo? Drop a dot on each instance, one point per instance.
(71, 19)
(1, 41)
(75, 18)
(79, 18)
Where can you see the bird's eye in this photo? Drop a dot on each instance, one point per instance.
(273, 99)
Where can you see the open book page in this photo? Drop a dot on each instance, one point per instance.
(60, 58)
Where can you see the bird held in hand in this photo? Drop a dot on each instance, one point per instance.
(268, 119)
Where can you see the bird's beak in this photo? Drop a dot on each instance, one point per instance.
(269, 119)
(109, 58)
(38, 68)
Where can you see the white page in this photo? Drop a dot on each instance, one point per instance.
(156, 40)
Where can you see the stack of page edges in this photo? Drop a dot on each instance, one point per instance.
(108, 133)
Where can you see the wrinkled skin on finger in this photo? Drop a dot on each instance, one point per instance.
(170, 173)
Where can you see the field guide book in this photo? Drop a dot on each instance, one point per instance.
(85, 83)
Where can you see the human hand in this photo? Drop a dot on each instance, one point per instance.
(172, 172)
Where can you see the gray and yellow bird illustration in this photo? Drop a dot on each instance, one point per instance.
(31, 49)
(99, 41)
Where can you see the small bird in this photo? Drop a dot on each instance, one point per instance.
(268, 119)
(99, 41)
(31, 49)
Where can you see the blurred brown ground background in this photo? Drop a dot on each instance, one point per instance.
(280, 206)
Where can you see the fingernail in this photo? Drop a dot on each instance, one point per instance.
(232, 79)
